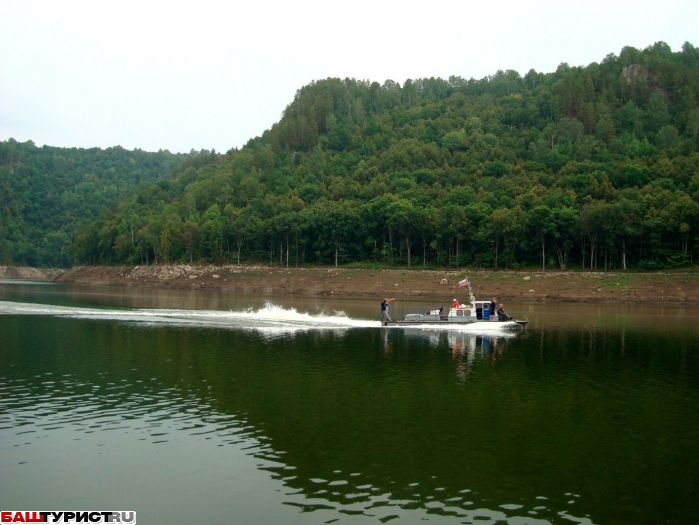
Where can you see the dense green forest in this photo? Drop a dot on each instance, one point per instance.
(592, 167)
(47, 194)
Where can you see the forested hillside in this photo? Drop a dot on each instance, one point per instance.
(588, 167)
(47, 193)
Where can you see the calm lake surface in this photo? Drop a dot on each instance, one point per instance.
(190, 406)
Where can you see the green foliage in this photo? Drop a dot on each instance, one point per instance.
(47, 194)
(595, 167)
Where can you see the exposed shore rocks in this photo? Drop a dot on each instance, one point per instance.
(26, 272)
(676, 287)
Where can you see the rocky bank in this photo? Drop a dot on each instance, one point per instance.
(668, 287)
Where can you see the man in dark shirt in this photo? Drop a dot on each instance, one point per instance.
(384, 309)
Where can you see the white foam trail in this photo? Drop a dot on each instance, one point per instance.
(469, 328)
(270, 318)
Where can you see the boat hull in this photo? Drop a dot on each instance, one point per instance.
(514, 324)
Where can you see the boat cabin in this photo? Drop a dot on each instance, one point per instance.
(468, 313)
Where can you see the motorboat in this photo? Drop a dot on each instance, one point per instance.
(465, 313)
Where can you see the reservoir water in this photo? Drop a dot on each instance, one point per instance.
(193, 407)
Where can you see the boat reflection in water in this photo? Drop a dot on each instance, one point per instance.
(466, 348)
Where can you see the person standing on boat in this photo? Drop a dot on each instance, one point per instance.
(384, 309)
(455, 304)
(493, 306)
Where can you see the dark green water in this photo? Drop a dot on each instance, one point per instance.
(591, 416)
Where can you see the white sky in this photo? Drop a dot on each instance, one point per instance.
(206, 74)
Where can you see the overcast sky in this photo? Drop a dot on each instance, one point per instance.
(202, 75)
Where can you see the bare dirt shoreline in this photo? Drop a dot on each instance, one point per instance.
(27, 272)
(669, 287)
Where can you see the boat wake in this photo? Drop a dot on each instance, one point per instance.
(271, 318)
